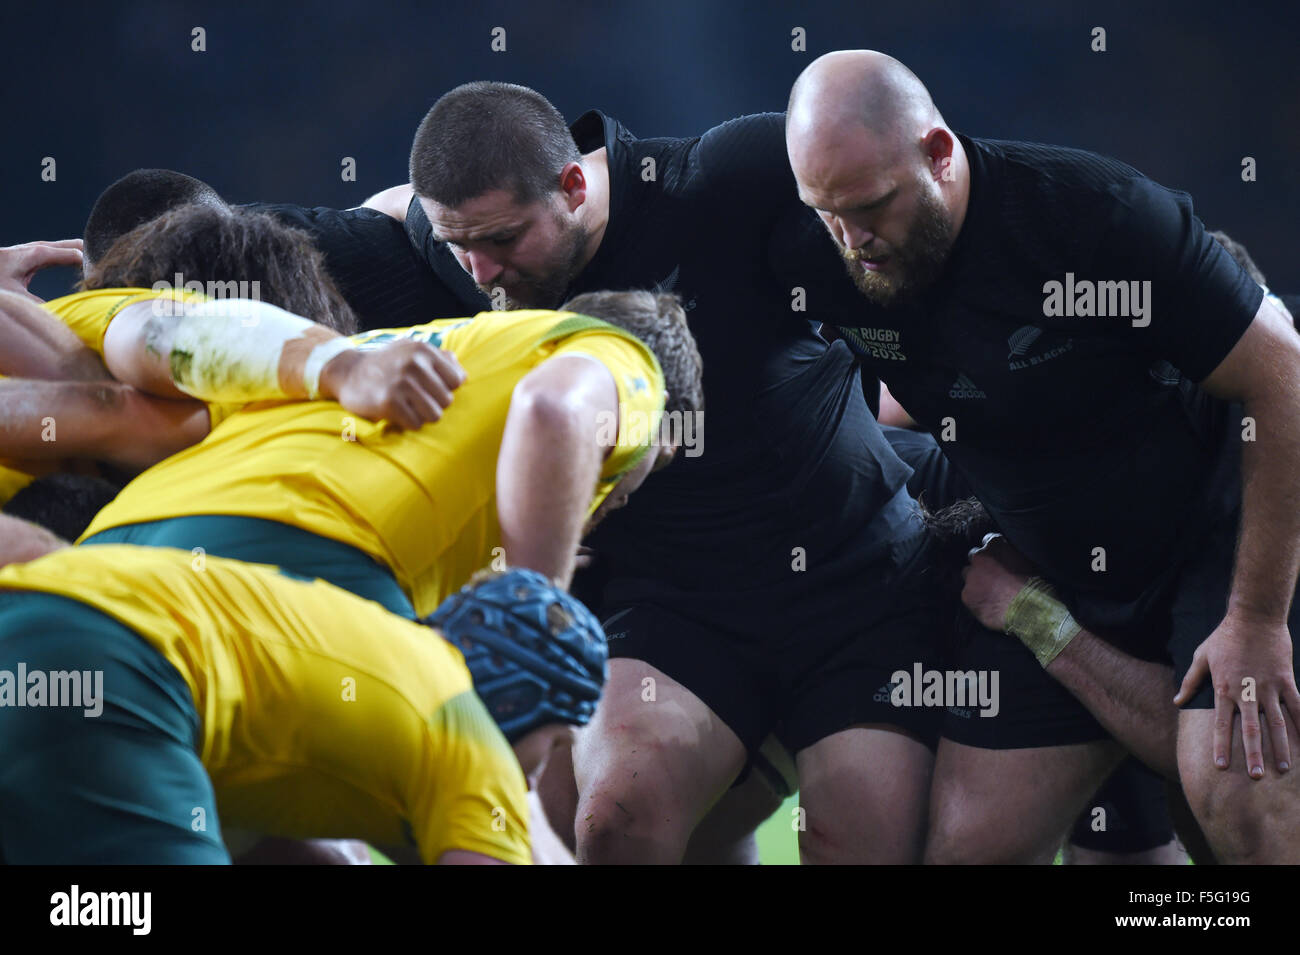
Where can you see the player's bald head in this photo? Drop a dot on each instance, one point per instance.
(859, 94)
(871, 154)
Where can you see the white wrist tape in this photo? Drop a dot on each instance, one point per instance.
(229, 350)
(320, 357)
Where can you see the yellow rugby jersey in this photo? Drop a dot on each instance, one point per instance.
(322, 714)
(88, 314)
(422, 502)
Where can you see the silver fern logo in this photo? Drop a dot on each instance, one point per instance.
(670, 285)
(1019, 342)
(1023, 340)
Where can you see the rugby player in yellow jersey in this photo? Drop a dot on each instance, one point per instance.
(558, 410)
(147, 700)
(101, 421)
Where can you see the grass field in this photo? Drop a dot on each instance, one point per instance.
(778, 843)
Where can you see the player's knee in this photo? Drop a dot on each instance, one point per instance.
(836, 828)
(975, 838)
(630, 825)
(626, 808)
(945, 845)
(1241, 827)
(822, 842)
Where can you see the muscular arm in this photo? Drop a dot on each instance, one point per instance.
(550, 462)
(35, 344)
(1128, 696)
(101, 421)
(238, 351)
(233, 350)
(1263, 372)
(1252, 646)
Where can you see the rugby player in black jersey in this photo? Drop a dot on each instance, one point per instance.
(1126, 404)
(739, 605)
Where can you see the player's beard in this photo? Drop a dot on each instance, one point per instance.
(915, 264)
(546, 287)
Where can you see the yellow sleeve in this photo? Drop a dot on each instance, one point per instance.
(471, 794)
(640, 385)
(89, 314)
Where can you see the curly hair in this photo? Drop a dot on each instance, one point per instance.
(657, 318)
(222, 248)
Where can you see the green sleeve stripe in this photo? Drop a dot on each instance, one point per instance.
(583, 323)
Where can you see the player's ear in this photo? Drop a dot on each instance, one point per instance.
(573, 184)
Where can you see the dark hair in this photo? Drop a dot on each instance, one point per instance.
(63, 503)
(1240, 256)
(225, 246)
(484, 136)
(135, 199)
(955, 529)
(657, 318)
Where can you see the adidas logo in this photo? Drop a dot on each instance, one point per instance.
(963, 387)
(882, 694)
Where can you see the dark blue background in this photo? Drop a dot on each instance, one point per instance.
(284, 92)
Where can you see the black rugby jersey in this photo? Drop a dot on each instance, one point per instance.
(792, 458)
(1056, 356)
(373, 264)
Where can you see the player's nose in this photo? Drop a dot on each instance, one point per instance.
(483, 268)
(853, 236)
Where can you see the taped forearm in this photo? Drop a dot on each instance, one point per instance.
(238, 350)
(1040, 621)
(1128, 697)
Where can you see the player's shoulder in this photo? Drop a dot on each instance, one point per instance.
(738, 157)
(315, 218)
(1058, 203)
(1057, 167)
(746, 152)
